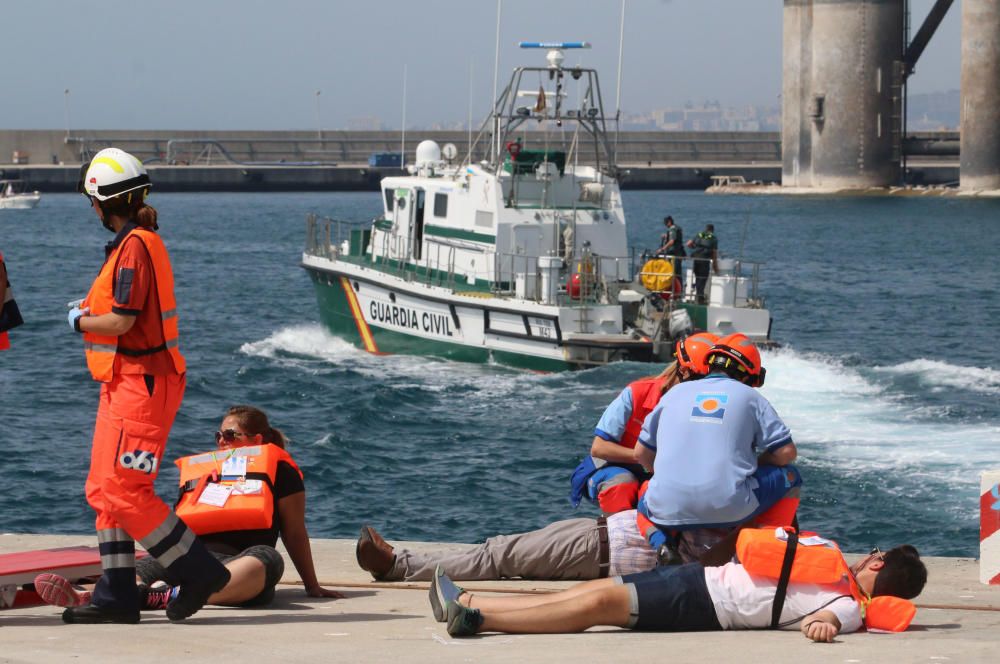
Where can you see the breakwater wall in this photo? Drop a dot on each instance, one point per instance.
(338, 160)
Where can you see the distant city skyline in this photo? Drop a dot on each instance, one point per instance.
(935, 111)
(247, 64)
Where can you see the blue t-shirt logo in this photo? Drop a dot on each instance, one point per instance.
(709, 407)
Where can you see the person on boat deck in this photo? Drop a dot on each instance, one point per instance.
(702, 441)
(249, 555)
(705, 252)
(129, 328)
(610, 476)
(672, 244)
(690, 598)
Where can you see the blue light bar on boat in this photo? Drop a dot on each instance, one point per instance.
(554, 44)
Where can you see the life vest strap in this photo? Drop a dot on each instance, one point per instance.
(786, 574)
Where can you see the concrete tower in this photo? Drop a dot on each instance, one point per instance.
(842, 93)
(980, 156)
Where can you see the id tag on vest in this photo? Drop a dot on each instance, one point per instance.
(814, 540)
(215, 494)
(234, 467)
(248, 488)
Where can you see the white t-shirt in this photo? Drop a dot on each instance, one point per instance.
(743, 601)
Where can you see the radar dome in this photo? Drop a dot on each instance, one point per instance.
(428, 152)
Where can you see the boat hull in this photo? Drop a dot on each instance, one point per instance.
(19, 202)
(384, 315)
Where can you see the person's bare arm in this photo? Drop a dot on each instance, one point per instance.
(644, 457)
(294, 535)
(782, 456)
(109, 324)
(611, 451)
(821, 626)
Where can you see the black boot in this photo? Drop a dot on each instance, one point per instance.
(95, 615)
(193, 595)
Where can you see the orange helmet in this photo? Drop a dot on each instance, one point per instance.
(692, 352)
(736, 351)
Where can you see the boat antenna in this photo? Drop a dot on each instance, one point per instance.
(495, 143)
(468, 158)
(746, 229)
(402, 144)
(618, 94)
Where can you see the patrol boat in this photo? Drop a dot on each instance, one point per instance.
(522, 258)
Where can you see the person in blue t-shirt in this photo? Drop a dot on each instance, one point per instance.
(717, 448)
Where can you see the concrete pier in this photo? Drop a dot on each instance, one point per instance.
(958, 621)
(980, 152)
(282, 161)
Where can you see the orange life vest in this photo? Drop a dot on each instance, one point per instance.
(249, 504)
(646, 393)
(100, 349)
(762, 552)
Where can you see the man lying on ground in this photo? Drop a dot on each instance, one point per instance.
(569, 550)
(688, 597)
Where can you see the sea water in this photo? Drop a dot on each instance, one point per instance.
(888, 374)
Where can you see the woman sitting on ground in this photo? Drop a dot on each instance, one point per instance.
(250, 556)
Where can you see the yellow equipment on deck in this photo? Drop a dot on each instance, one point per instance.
(657, 275)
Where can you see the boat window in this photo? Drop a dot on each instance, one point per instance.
(484, 219)
(440, 205)
(389, 195)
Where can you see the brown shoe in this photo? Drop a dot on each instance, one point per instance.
(374, 554)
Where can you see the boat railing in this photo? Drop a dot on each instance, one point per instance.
(326, 236)
(735, 282)
(583, 280)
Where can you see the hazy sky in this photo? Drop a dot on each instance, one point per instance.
(245, 64)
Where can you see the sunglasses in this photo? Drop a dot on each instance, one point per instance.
(229, 436)
(877, 552)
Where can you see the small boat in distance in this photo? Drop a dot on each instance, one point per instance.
(521, 258)
(15, 196)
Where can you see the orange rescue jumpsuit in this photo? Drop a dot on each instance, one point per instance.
(142, 385)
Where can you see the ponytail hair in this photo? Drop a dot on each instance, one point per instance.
(132, 206)
(146, 216)
(253, 421)
(670, 377)
(277, 437)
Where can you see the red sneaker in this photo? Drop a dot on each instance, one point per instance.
(55, 590)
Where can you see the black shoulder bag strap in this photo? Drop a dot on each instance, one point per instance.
(783, 578)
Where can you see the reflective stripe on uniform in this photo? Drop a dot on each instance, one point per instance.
(169, 314)
(117, 560)
(117, 548)
(113, 535)
(169, 541)
(99, 348)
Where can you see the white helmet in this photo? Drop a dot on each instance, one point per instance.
(113, 172)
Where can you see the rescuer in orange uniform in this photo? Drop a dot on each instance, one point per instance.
(129, 325)
(10, 315)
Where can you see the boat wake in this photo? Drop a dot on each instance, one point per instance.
(314, 349)
(939, 376)
(862, 422)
